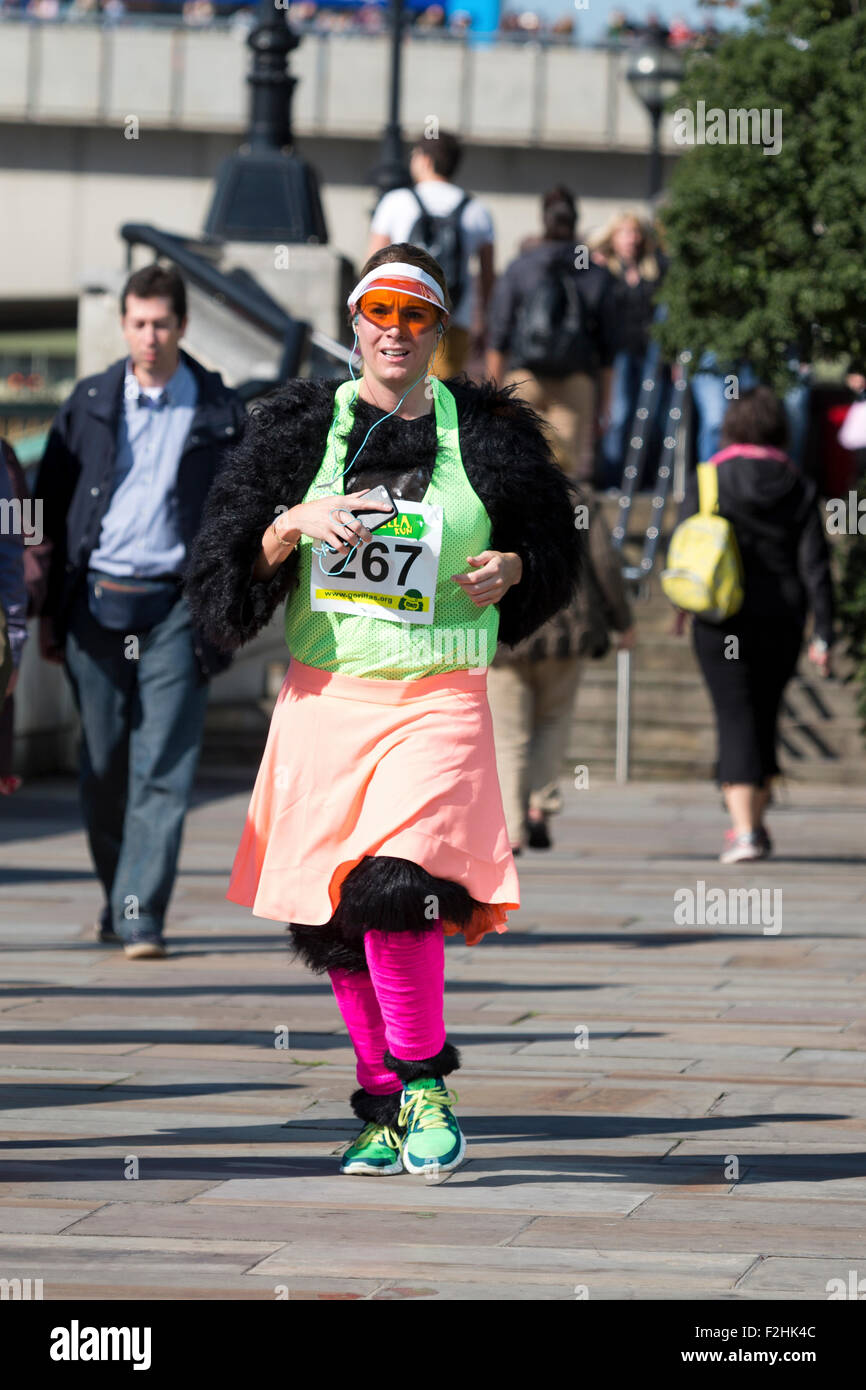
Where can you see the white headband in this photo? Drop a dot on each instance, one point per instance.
(400, 269)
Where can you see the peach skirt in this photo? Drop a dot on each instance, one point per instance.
(357, 767)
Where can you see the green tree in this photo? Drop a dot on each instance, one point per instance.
(768, 251)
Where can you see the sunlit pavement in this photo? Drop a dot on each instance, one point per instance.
(657, 1104)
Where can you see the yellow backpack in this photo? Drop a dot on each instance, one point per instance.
(705, 571)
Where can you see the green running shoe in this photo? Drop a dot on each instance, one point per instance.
(376, 1150)
(434, 1141)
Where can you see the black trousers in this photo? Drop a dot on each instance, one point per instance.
(746, 663)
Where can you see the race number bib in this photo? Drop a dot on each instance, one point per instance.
(393, 576)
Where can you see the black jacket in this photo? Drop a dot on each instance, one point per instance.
(777, 523)
(506, 458)
(520, 280)
(634, 309)
(77, 472)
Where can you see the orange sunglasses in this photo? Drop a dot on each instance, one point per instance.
(390, 308)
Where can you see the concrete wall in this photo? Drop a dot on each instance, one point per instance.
(184, 79)
(70, 98)
(66, 191)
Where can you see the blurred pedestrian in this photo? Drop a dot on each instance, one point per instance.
(748, 659)
(654, 31)
(453, 227)
(627, 248)
(681, 33)
(552, 321)
(620, 30)
(713, 386)
(36, 560)
(13, 589)
(128, 465)
(532, 687)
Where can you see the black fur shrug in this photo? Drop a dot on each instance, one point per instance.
(506, 457)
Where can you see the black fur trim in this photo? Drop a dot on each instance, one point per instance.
(382, 1109)
(385, 893)
(507, 459)
(324, 948)
(257, 479)
(445, 1061)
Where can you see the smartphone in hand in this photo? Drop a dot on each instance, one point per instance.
(375, 509)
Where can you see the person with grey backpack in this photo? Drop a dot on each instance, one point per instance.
(551, 324)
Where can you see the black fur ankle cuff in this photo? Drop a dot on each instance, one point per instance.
(322, 949)
(445, 1061)
(382, 1109)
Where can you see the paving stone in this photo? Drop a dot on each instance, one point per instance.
(110, 1191)
(18, 1218)
(504, 1192)
(720, 1235)
(321, 1225)
(781, 1276)
(529, 1264)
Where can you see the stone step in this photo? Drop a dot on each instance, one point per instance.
(668, 768)
(806, 742)
(681, 697)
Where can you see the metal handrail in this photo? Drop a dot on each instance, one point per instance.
(670, 473)
(238, 290)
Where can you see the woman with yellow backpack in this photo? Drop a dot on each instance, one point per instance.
(749, 559)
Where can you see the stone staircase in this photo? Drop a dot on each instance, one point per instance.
(672, 727)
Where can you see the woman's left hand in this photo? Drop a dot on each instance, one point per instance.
(489, 583)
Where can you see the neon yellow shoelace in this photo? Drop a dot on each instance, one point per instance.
(427, 1107)
(376, 1133)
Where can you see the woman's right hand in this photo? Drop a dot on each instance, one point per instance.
(341, 530)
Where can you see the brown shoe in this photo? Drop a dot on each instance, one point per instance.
(144, 950)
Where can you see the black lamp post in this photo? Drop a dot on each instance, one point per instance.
(265, 192)
(654, 74)
(392, 171)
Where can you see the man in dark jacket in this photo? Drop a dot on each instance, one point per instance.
(552, 319)
(129, 462)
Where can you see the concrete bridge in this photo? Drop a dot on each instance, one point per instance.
(101, 124)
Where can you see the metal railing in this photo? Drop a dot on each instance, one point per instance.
(236, 290)
(305, 351)
(669, 482)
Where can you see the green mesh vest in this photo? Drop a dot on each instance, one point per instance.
(460, 636)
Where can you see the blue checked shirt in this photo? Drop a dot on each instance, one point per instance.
(140, 534)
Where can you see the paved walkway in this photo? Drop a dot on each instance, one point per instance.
(653, 1109)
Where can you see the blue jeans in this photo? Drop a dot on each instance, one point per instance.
(142, 720)
(629, 369)
(798, 403)
(711, 403)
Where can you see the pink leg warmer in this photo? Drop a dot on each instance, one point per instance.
(408, 972)
(362, 1016)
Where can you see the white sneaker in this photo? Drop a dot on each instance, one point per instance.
(749, 845)
(144, 950)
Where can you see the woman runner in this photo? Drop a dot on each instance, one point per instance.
(376, 825)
